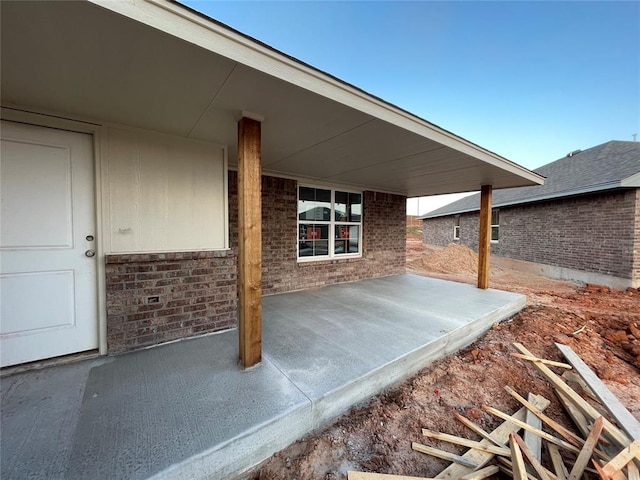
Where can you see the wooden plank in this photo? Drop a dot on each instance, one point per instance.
(632, 471)
(591, 413)
(484, 241)
(541, 360)
(477, 429)
(481, 474)
(418, 447)
(531, 457)
(500, 434)
(540, 433)
(576, 415)
(558, 464)
(625, 456)
(587, 450)
(623, 417)
(518, 466)
(567, 434)
(533, 441)
(249, 242)
(507, 467)
(466, 442)
(353, 475)
(574, 377)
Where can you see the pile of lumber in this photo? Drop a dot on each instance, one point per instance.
(608, 448)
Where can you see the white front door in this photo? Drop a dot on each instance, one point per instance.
(48, 298)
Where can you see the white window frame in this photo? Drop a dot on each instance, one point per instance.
(456, 227)
(331, 223)
(495, 225)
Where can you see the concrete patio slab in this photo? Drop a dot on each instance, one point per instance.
(188, 410)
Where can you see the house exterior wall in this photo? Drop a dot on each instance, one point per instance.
(154, 298)
(595, 233)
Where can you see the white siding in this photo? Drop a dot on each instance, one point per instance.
(164, 193)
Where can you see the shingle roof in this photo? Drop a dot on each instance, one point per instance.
(614, 164)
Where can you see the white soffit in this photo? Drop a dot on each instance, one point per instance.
(192, 77)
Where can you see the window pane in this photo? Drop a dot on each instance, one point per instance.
(495, 217)
(348, 207)
(355, 207)
(495, 233)
(314, 204)
(347, 239)
(313, 240)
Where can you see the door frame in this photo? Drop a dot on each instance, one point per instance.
(24, 116)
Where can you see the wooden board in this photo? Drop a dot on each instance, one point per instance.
(533, 441)
(624, 457)
(500, 434)
(623, 417)
(591, 413)
(352, 475)
(452, 457)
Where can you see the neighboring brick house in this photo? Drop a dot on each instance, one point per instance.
(582, 224)
(130, 182)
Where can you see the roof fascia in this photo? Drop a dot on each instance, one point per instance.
(183, 23)
(541, 198)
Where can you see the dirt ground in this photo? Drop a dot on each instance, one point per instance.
(377, 436)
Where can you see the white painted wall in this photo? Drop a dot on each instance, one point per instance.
(163, 193)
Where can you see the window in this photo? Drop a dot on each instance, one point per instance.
(495, 225)
(329, 223)
(456, 227)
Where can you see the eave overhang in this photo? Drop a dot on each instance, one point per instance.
(158, 65)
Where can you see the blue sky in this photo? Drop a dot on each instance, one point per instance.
(530, 81)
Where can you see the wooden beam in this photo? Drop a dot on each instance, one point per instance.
(623, 417)
(249, 242)
(484, 242)
(500, 435)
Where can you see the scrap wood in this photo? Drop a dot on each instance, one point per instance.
(478, 429)
(418, 447)
(533, 442)
(591, 413)
(587, 450)
(567, 434)
(501, 434)
(574, 377)
(626, 456)
(507, 467)
(480, 474)
(576, 415)
(623, 417)
(518, 467)
(545, 435)
(558, 464)
(353, 475)
(531, 458)
(541, 360)
(466, 442)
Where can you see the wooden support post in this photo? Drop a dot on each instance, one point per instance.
(484, 243)
(249, 242)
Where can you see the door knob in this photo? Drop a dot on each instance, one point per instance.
(90, 253)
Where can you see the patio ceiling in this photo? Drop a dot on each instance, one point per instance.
(160, 66)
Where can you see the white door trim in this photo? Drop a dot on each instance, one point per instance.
(97, 131)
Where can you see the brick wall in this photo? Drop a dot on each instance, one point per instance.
(154, 298)
(591, 233)
(635, 274)
(384, 230)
